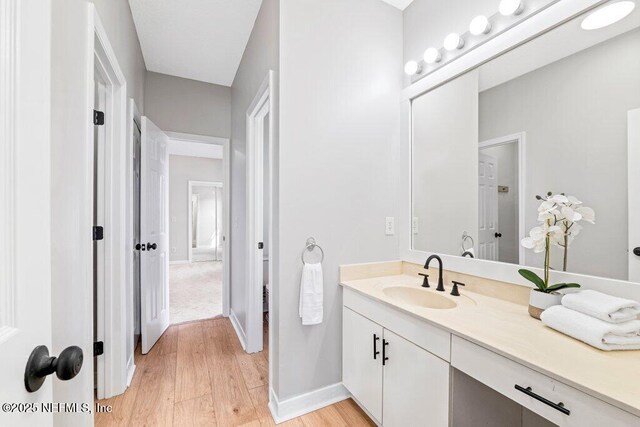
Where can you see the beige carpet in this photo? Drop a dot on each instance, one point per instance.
(195, 291)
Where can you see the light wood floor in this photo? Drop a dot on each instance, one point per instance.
(198, 375)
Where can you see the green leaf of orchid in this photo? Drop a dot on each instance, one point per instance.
(559, 286)
(533, 278)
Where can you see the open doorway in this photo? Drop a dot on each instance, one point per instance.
(500, 198)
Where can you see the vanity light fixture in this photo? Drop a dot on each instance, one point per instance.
(453, 41)
(607, 15)
(432, 55)
(480, 25)
(412, 67)
(511, 7)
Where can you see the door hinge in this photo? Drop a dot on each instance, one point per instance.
(260, 245)
(98, 232)
(98, 118)
(98, 348)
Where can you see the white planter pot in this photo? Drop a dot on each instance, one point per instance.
(540, 301)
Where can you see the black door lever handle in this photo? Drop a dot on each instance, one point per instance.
(152, 246)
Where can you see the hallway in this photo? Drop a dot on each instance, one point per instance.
(198, 375)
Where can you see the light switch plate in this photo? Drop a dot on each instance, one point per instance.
(390, 227)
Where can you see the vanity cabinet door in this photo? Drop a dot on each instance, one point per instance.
(416, 385)
(361, 369)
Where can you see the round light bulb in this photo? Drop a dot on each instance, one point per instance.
(411, 68)
(607, 15)
(432, 55)
(453, 41)
(479, 25)
(510, 7)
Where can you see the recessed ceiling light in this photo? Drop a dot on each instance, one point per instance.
(479, 25)
(510, 7)
(607, 15)
(432, 55)
(453, 41)
(411, 68)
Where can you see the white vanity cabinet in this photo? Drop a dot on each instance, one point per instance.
(398, 382)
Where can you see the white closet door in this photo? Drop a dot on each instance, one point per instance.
(487, 207)
(634, 194)
(154, 226)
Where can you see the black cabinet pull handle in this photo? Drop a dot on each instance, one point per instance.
(375, 346)
(557, 406)
(385, 343)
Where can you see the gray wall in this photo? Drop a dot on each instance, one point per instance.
(444, 150)
(260, 56)
(183, 169)
(427, 22)
(341, 75)
(69, 152)
(188, 106)
(574, 112)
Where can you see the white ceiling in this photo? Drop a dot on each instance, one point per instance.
(195, 39)
(400, 4)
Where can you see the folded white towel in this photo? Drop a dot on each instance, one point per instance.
(595, 332)
(602, 306)
(311, 294)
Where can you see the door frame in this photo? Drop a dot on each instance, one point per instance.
(520, 139)
(633, 141)
(191, 145)
(262, 104)
(111, 300)
(190, 209)
(133, 118)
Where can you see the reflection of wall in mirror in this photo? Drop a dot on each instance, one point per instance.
(574, 112)
(445, 166)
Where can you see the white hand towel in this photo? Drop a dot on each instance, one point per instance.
(602, 306)
(311, 294)
(595, 332)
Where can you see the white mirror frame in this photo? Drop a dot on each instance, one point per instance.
(540, 23)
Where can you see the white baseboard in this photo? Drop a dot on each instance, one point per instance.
(130, 372)
(182, 261)
(239, 332)
(302, 404)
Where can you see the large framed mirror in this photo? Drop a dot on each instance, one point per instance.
(542, 129)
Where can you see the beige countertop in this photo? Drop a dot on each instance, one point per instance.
(505, 327)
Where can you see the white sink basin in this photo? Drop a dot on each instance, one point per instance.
(419, 297)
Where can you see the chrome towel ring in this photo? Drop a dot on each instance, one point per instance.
(309, 247)
(465, 238)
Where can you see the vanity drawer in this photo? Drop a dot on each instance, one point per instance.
(503, 375)
(421, 333)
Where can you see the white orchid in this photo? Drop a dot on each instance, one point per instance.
(538, 237)
(559, 215)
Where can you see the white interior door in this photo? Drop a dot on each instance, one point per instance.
(154, 226)
(634, 194)
(25, 216)
(488, 231)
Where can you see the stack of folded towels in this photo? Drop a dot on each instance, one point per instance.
(603, 321)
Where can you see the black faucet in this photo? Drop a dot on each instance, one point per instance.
(440, 281)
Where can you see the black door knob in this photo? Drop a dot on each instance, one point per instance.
(138, 247)
(40, 364)
(636, 251)
(151, 246)
(498, 235)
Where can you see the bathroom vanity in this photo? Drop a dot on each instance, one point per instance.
(403, 345)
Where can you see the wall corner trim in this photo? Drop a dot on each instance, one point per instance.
(305, 403)
(239, 331)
